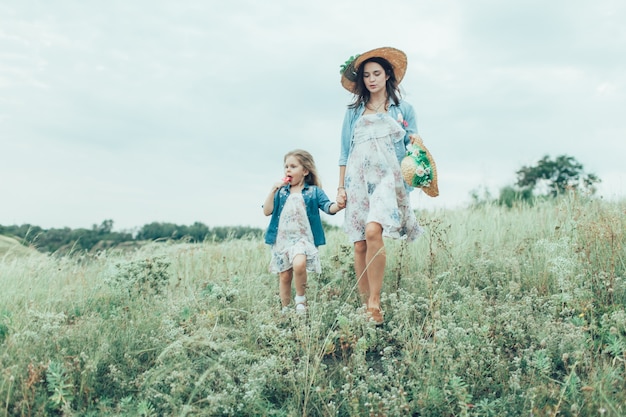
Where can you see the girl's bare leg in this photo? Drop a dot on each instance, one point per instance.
(360, 250)
(376, 259)
(300, 275)
(284, 286)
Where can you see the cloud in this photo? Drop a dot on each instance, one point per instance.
(180, 112)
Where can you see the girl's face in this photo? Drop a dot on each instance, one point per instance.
(374, 77)
(295, 170)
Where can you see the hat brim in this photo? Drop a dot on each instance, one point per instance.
(432, 189)
(396, 58)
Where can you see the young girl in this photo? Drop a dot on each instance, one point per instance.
(376, 129)
(295, 230)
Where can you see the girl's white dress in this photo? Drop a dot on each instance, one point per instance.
(294, 237)
(374, 183)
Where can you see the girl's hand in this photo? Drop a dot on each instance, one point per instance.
(282, 182)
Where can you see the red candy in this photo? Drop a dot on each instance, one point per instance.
(287, 179)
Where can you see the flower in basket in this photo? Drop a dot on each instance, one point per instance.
(420, 171)
(418, 167)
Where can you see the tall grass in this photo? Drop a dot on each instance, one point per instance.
(492, 312)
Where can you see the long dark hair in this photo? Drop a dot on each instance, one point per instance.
(362, 94)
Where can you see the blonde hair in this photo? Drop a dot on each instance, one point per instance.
(307, 161)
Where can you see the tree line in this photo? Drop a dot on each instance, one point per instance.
(102, 236)
(549, 178)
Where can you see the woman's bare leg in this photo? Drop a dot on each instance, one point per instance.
(376, 259)
(360, 250)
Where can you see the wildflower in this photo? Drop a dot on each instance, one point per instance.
(401, 120)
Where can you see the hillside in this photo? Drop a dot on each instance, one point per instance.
(492, 312)
(10, 246)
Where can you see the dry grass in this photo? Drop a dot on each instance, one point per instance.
(493, 312)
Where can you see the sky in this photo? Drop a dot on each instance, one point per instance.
(182, 111)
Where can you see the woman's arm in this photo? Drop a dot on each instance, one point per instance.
(411, 120)
(346, 135)
(347, 131)
(341, 190)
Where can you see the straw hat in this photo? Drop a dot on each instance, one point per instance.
(418, 167)
(396, 58)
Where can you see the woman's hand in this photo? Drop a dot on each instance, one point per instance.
(415, 138)
(342, 198)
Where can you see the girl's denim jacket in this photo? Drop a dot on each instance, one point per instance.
(403, 113)
(315, 200)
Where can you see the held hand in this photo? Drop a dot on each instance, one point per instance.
(341, 199)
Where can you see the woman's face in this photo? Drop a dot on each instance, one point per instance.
(374, 77)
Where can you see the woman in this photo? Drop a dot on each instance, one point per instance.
(375, 132)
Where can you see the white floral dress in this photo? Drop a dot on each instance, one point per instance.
(374, 184)
(294, 237)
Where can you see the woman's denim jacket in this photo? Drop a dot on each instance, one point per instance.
(403, 113)
(315, 200)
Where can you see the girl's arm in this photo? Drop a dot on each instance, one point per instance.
(325, 204)
(268, 206)
(334, 208)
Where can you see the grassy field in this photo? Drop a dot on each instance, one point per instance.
(493, 312)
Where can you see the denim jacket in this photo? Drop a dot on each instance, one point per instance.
(315, 200)
(403, 113)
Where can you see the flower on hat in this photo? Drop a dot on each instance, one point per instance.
(343, 67)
